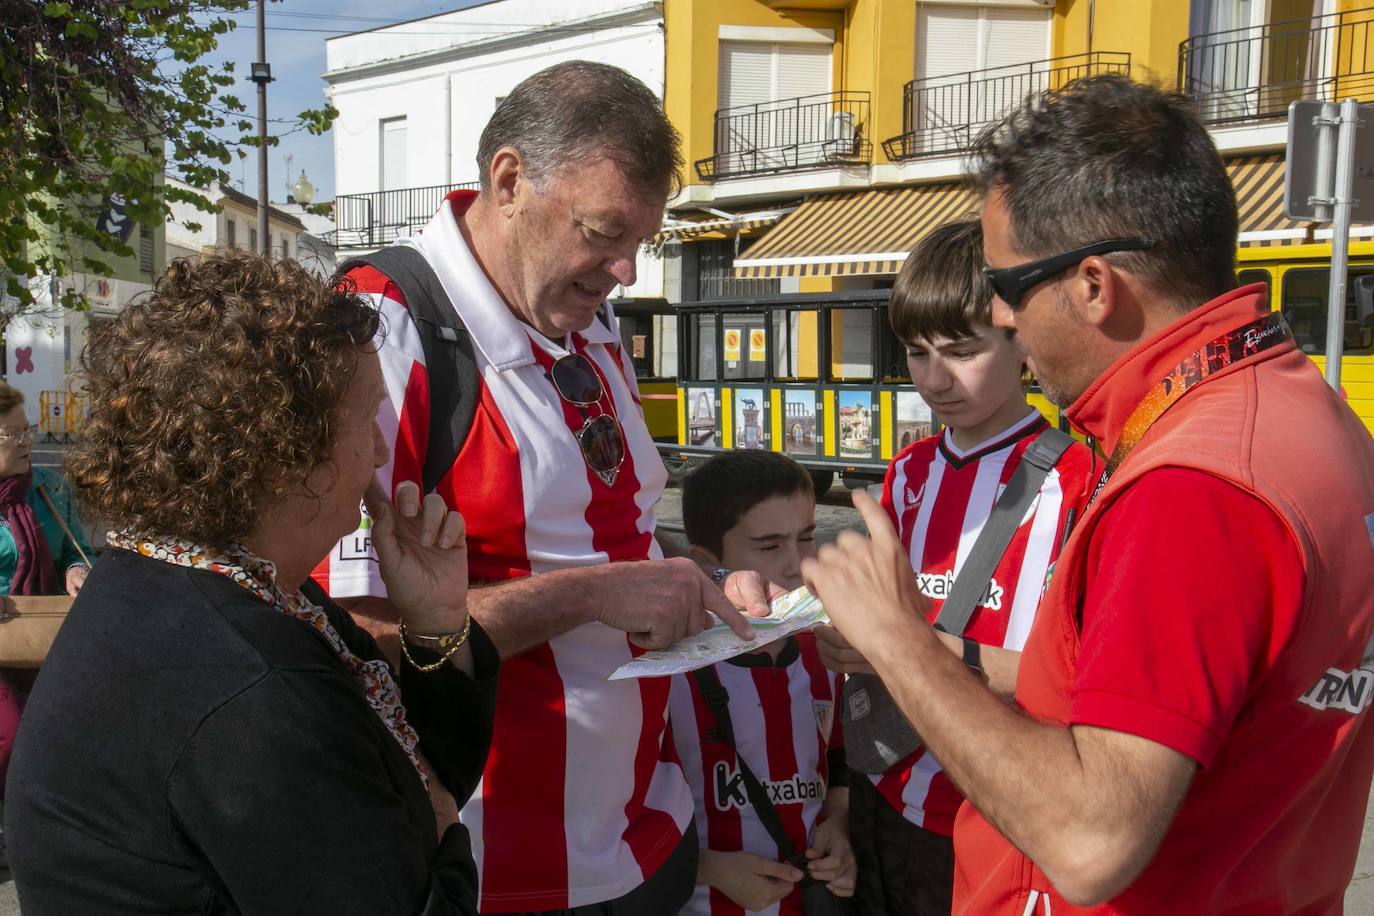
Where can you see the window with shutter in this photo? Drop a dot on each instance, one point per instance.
(958, 41)
(770, 78)
(393, 154)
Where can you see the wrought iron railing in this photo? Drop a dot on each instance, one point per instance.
(1253, 73)
(787, 135)
(944, 114)
(381, 217)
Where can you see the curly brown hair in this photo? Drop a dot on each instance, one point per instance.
(214, 395)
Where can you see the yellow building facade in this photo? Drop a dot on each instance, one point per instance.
(824, 138)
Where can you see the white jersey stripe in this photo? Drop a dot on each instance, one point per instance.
(986, 488)
(930, 490)
(1040, 547)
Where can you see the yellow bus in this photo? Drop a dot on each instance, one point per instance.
(818, 376)
(1298, 278)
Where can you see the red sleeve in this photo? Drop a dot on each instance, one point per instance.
(1195, 588)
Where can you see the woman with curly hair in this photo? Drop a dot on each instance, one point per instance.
(208, 735)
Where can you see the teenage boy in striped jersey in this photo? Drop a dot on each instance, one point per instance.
(757, 510)
(939, 492)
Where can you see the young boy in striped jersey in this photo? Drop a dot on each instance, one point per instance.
(939, 492)
(756, 510)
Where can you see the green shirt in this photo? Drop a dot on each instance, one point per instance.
(63, 551)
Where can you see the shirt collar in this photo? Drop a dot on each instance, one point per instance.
(1102, 410)
(501, 337)
(1031, 422)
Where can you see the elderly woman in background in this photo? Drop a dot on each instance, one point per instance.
(208, 735)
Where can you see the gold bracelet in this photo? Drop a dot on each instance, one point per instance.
(448, 650)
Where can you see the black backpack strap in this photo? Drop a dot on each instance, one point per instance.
(1040, 456)
(454, 382)
(718, 701)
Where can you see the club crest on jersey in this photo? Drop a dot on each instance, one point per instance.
(1348, 691)
(825, 716)
(914, 499)
(939, 585)
(728, 783)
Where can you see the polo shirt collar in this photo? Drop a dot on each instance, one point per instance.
(501, 337)
(1102, 410)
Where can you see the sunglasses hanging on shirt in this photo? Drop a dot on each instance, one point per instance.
(601, 439)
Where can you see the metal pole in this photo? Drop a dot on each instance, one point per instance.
(262, 134)
(1340, 241)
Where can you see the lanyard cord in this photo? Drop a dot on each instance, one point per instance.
(1223, 351)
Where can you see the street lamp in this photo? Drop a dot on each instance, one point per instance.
(303, 192)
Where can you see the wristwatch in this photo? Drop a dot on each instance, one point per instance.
(719, 575)
(973, 657)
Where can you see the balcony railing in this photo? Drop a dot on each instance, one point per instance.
(1253, 73)
(788, 135)
(944, 114)
(381, 217)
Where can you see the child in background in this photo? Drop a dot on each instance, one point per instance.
(755, 510)
(939, 492)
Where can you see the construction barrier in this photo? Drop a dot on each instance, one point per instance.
(60, 414)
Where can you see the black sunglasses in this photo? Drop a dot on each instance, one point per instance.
(601, 439)
(1012, 283)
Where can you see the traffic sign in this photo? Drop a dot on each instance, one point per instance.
(1309, 190)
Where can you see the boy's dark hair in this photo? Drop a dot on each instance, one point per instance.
(941, 290)
(1106, 158)
(718, 493)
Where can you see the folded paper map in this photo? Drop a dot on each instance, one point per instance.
(797, 610)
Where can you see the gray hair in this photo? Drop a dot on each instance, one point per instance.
(579, 111)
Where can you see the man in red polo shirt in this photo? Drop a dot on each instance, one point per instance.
(1190, 732)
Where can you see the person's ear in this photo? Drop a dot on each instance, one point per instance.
(1094, 290)
(703, 556)
(507, 170)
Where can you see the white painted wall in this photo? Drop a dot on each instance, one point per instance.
(456, 67)
(447, 102)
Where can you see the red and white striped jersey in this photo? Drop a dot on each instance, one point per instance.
(581, 799)
(785, 725)
(939, 496)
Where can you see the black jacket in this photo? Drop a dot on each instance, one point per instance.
(188, 749)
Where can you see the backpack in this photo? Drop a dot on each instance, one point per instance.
(454, 383)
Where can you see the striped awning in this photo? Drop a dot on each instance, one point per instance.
(865, 232)
(872, 232)
(742, 224)
(1258, 182)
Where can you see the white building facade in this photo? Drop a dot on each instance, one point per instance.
(413, 99)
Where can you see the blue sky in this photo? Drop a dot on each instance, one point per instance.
(296, 33)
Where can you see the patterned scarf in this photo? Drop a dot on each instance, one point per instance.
(260, 577)
(35, 573)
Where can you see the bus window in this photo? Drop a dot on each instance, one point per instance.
(701, 344)
(744, 344)
(796, 345)
(1304, 308)
(636, 339)
(893, 352)
(1253, 275)
(664, 340)
(851, 344)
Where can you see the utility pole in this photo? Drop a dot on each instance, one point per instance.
(262, 75)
